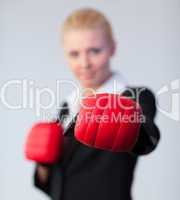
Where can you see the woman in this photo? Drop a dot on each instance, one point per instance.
(84, 171)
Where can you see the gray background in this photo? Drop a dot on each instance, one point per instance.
(148, 36)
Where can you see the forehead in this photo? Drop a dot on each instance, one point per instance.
(81, 39)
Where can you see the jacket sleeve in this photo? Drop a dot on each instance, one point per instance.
(54, 169)
(37, 183)
(149, 134)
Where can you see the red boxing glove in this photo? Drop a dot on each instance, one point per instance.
(105, 121)
(44, 142)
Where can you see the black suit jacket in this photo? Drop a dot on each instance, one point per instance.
(85, 173)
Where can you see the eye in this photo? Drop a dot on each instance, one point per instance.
(95, 50)
(73, 54)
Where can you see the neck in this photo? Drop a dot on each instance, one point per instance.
(92, 90)
(107, 77)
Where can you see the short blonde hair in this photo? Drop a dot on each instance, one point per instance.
(87, 18)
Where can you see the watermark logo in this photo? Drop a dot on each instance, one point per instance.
(172, 91)
(30, 96)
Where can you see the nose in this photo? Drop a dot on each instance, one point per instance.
(84, 61)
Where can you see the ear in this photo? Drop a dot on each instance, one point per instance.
(113, 48)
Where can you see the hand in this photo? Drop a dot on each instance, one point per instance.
(44, 143)
(109, 122)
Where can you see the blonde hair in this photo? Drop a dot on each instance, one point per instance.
(87, 19)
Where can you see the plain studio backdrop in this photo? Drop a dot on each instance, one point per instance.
(148, 53)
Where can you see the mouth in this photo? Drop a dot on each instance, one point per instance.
(86, 76)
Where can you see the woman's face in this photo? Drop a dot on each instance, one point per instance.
(88, 53)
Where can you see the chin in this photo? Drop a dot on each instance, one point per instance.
(87, 84)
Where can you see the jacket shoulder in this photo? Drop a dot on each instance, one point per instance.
(145, 97)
